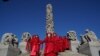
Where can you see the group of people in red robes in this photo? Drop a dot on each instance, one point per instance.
(53, 44)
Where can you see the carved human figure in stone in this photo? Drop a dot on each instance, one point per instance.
(90, 35)
(6, 38)
(9, 39)
(72, 35)
(83, 39)
(22, 45)
(26, 36)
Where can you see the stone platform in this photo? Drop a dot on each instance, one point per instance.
(70, 53)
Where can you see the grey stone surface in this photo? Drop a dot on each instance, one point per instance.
(94, 48)
(84, 49)
(90, 48)
(70, 53)
(12, 51)
(8, 50)
(3, 50)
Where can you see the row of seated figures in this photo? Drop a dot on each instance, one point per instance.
(13, 48)
(10, 39)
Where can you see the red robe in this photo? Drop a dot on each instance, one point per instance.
(60, 44)
(63, 44)
(66, 43)
(49, 47)
(56, 44)
(35, 46)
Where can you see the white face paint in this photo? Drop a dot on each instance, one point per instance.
(49, 35)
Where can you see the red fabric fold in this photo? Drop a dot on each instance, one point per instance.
(66, 43)
(49, 46)
(34, 45)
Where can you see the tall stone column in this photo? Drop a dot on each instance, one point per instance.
(49, 19)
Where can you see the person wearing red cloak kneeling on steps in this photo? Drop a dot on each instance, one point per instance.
(49, 46)
(35, 43)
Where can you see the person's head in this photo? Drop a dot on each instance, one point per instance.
(54, 34)
(49, 34)
(36, 36)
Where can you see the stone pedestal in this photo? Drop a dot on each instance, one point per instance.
(8, 50)
(74, 46)
(90, 48)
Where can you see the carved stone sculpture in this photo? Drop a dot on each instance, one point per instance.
(72, 35)
(83, 39)
(10, 39)
(90, 35)
(26, 36)
(9, 45)
(22, 45)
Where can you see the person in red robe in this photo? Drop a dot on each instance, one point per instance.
(60, 44)
(56, 44)
(49, 45)
(63, 44)
(66, 43)
(35, 45)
